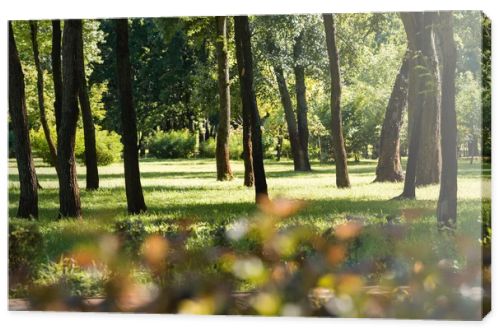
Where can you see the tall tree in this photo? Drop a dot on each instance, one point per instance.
(28, 198)
(69, 193)
(222, 147)
(92, 176)
(300, 93)
(429, 156)
(56, 70)
(293, 133)
(133, 187)
(342, 176)
(447, 202)
(249, 102)
(389, 162)
(39, 86)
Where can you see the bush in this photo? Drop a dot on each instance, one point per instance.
(236, 145)
(172, 144)
(25, 249)
(108, 146)
(207, 148)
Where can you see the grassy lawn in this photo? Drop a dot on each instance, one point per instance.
(177, 190)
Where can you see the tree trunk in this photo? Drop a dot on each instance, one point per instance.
(300, 92)
(389, 163)
(249, 102)
(41, 100)
(133, 187)
(342, 176)
(293, 134)
(222, 147)
(447, 202)
(92, 176)
(415, 105)
(69, 193)
(28, 198)
(56, 70)
(429, 161)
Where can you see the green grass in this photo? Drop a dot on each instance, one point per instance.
(187, 189)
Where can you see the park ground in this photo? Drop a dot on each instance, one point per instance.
(180, 190)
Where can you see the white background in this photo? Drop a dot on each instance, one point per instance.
(49, 322)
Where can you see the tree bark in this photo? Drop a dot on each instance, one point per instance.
(69, 193)
(92, 176)
(249, 102)
(41, 100)
(342, 176)
(293, 134)
(222, 146)
(133, 187)
(447, 202)
(429, 159)
(56, 70)
(389, 163)
(28, 198)
(300, 92)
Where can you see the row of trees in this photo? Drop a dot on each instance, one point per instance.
(424, 85)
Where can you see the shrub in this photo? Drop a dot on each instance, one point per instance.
(172, 144)
(207, 148)
(108, 146)
(236, 145)
(25, 249)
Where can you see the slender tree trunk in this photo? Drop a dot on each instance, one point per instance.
(69, 193)
(92, 176)
(300, 92)
(41, 100)
(293, 134)
(28, 198)
(342, 176)
(429, 161)
(133, 187)
(247, 149)
(415, 105)
(249, 102)
(222, 149)
(447, 203)
(56, 70)
(389, 163)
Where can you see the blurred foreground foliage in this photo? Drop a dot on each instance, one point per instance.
(261, 266)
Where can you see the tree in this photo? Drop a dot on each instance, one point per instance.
(249, 102)
(56, 70)
(389, 163)
(92, 176)
(300, 93)
(133, 187)
(28, 198)
(447, 202)
(342, 176)
(222, 147)
(41, 101)
(293, 133)
(69, 193)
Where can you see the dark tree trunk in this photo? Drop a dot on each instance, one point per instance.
(133, 188)
(222, 149)
(429, 158)
(389, 163)
(28, 198)
(447, 203)
(249, 102)
(300, 92)
(415, 105)
(342, 176)
(41, 100)
(293, 134)
(247, 149)
(92, 176)
(69, 193)
(56, 71)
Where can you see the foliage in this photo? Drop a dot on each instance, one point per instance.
(172, 144)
